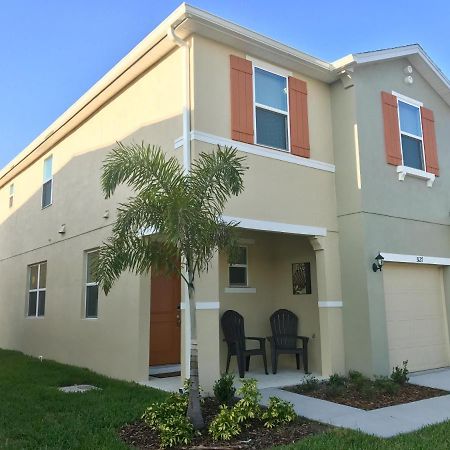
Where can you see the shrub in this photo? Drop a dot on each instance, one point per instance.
(337, 380)
(278, 413)
(248, 406)
(358, 380)
(169, 419)
(225, 425)
(334, 390)
(310, 383)
(399, 375)
(224, 389)
(368, 391)
(386, 385)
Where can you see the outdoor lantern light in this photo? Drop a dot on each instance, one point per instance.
(378, 264)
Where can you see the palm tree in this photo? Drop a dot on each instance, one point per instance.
(181, 211)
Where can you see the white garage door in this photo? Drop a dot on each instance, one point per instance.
(416, 317)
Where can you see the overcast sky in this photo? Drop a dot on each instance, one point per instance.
(52, 51)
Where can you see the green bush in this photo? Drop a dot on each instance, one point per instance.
(248, 406)
(334, 390)
(337, 380)
(310, 383)
(399, 375)
(169, 419)
(386, 385)
(225, 425)
(224, 389)
(359, 381)
(278, 412)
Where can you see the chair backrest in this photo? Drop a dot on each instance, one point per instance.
(284, 324)
(233, 327)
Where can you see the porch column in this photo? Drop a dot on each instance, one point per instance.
(208, 328)
(330, 303)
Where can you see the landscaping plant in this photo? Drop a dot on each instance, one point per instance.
(310, 383)
(278, 412)
(184, 211)
(248, 406)
(400, 374)
(225, 425)
(224, 389)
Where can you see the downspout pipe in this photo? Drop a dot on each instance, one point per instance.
(187, 168)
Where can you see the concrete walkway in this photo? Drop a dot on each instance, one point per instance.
(383, 422)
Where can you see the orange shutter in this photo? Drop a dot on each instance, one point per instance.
(241, 73)
(391, 129)
(298, 117)
(429, 141)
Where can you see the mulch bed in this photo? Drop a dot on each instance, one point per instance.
(139, 435)
(351, 397)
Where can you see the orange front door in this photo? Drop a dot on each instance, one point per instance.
(165, 334)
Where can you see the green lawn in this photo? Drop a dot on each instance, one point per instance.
(35, 415)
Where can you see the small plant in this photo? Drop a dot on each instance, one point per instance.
(224, 389)
(399, 375)
(225, 425)
(337, 380)
(169, 419)
(334, 390)
(368, 391)
(386, 385)
(310, 383)
(248, 406)
(278, 412)
(359, 381)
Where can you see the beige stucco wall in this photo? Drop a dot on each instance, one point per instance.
(117, 343)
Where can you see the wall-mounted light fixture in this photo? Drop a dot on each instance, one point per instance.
(378, 264)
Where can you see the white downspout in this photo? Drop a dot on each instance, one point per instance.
(187, 168)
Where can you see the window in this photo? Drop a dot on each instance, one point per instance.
(271, 109)
(91, 290)
(238, 271)
(11, 195)
(47, 187)
(411, 135)
(37, 289)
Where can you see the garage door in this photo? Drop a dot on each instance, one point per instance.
(416, 317)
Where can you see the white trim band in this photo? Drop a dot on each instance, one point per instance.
(257, 150)
(331, 304)
(203, 305)
(415, 259)
(240, 290)
(280, 227)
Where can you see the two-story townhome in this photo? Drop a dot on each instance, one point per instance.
(347, 160)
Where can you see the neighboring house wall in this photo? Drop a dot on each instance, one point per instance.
(148, 110)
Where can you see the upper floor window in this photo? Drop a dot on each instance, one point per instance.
(411, 135)
(91, 288)
(37, 283)
(271, 109)
(47, 186)
(238, 270)
(11, 195)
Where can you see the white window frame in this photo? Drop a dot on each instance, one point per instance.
(87, 284)
(38, 290)
(240, 265)
(271, 69)
(416, 104)
(12, 191)
(46, 180)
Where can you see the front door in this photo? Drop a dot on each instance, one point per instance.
(165, 335)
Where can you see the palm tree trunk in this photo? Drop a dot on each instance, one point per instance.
(194, 411)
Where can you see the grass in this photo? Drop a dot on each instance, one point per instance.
(35, 415)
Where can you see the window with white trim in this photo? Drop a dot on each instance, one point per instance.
(37, 284)
(11, 195)
(271, 109)
(411, 135)
(47, 186)
(91, 286)
(238, 270)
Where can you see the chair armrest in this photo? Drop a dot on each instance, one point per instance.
(304, 339)
(252, 338)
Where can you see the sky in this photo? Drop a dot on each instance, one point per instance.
(53, 51)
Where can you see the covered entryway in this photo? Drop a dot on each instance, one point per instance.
(416, 316)
(165, 329)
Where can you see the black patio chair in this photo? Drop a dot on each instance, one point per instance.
(284, 339)
(233, 330)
